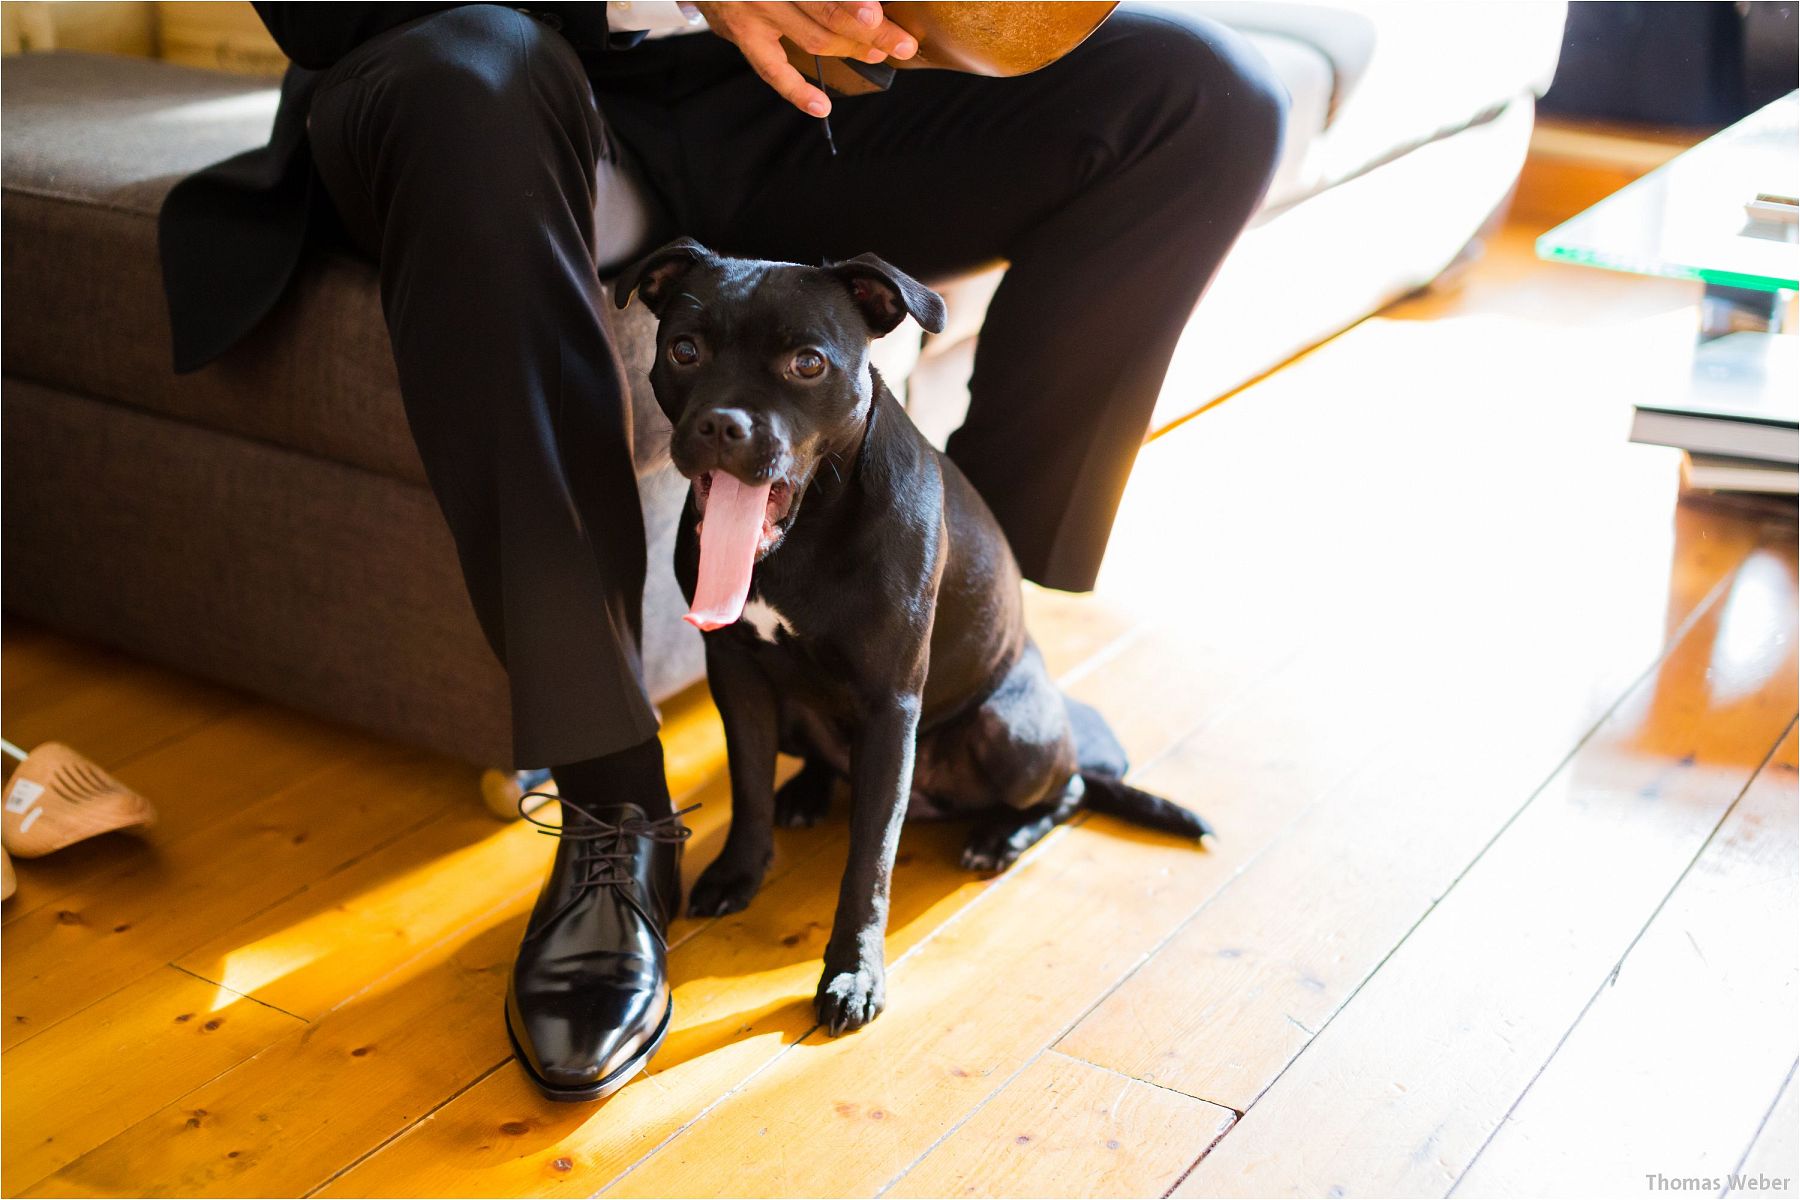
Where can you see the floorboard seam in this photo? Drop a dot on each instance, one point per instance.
(422, 952)
(735, 1088)
(400, 1133)
(1763, 1125)
(1099, 658)
(242, 995)
(1114, 1071)
(367, 852)
(1201, 1157)
(175, 1101)
(1612, 976)
(146, 751)
(968, 1116)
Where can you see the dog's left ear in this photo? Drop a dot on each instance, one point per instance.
(887, 295)
(654, 276)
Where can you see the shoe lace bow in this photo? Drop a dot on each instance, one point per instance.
(604, 847)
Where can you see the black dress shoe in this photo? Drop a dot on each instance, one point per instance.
(588, 1002)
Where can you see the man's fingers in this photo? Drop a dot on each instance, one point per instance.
(862, 15)
(767, 60)
(836, 28)
(799, 27)
(861, 23)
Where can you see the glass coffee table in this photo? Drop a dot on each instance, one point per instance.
(1688, 220)
(1713, 214)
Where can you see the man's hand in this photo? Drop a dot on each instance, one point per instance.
(847, 30)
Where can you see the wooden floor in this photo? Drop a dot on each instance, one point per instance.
(1498, 736)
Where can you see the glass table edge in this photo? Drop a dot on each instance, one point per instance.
(1550, 249)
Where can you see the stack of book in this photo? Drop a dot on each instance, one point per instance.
(1740, 422)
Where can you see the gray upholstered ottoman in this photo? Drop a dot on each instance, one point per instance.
(265, 522)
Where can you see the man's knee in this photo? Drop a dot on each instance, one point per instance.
(1214, 91)
(482, 66)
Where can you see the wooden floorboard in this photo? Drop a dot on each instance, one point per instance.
(1482, 715)
(1066, 1128)
(1701, 1006)
(1434, 1050)
(200, 780)
(110, 706)
(80, 1083)
(1250, 980)
(92, 942)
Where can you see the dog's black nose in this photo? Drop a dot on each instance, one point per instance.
(724, 426)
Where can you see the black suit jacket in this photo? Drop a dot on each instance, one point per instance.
(232, 235)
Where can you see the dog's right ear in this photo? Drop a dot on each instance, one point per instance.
(654, 277)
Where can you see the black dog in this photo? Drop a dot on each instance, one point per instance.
(863, 606)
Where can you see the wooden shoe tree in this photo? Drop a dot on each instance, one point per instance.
(56, 797)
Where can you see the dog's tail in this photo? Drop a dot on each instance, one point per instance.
(1096, 746)
(1103, 766)
(1116, 798)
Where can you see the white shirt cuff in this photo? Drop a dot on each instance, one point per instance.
(650, 16)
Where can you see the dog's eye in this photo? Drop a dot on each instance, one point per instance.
(808, 364)
(683, 352)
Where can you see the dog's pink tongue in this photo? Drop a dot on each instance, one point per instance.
(729, 537)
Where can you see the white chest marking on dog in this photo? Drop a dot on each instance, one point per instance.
(764, 617)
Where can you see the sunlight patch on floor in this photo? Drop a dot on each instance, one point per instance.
(453, 895)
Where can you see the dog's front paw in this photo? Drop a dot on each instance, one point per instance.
(723, 888)
(851, 999)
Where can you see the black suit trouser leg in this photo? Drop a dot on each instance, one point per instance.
(466, 154)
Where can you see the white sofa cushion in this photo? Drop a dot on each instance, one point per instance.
(1310, 83)
(1402, 73)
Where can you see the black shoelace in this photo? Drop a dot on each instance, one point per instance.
(602, 847)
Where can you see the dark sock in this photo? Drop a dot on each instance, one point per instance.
(633, 776)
